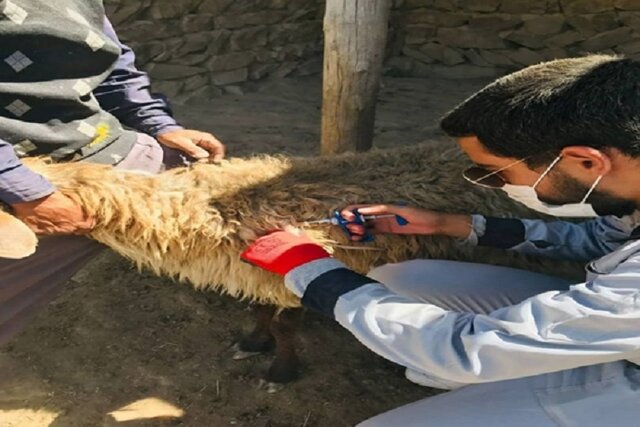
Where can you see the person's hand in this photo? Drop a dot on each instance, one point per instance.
(420, 221)
(281, 251)
(54, 214)
(199, 145)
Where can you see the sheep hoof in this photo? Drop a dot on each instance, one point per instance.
(270, 387)
(241, 354)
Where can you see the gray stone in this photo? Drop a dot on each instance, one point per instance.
(203, 95)
(197, 22)
(436, 18)
(230, 61)
(415, 4)
(194, 59)
(630, 19)
(198, 42)
(214, 7)
(576, 7)
(449, 5)
(260, 71)
(630, 48)
(249, 38)
(266, 17)
(524, 6)
(479, 5)
(171, 9)
(552, 53)
(463, 71)
(475, 58)
(168, 88)
(592, 23)
(125, 12)
(564, 39)
(196, 82)
(544, 24)
(172, 71)
(440, 53)
(284, 69)
(310, 67)
(418, 55)
(230, 77)
(171, 49)
(233, 90)
(146, 52)
(607, 40)
(627, 4)
(496, 57)
(219, 42)
(418, 34)
(494, 22)
(399, 66)
(523, 38)
(524, 56)
(464, 37)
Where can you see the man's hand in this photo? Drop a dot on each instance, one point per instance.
(420, 221)
(199, 145)
(54, 214)
(282, 251)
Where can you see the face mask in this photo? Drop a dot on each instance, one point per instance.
(528, 197)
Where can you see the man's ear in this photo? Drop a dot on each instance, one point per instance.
(16, 239)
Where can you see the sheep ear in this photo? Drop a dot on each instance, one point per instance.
(16, 239)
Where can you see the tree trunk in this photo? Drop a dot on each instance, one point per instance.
(355, 36)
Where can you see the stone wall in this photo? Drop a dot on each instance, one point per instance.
(483, 38)
(202, 48)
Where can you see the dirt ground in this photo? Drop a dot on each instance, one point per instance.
(117, 346)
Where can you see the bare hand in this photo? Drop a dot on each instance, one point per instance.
(199, 145)
(55, 214)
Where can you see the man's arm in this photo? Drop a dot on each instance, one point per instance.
(584, 241)
(18, 184)
(126, 94)
(592, 323)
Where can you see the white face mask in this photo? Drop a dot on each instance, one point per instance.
(528, 197)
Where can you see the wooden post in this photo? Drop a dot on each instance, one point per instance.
(355, 37)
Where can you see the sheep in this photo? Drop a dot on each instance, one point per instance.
(192, 223)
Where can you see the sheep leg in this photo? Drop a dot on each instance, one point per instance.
(260, 340)
(284, 328)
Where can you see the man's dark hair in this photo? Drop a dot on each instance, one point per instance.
(592, 101)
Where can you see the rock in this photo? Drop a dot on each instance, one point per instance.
(172, 71)
(169, 89)
(627, 4)
(418, 34)
(229, 77)
(564, 39)
(230, 61)
(202, 95)
(284, 69)
(630, 19)
(198, 42)
(576, 7)
(194, 59)
(214, 7)
(592, 23)
(464, 37)
(449, 5)
(418, 54)
(310, 67)
(479, 5)
(524, 56)
(494, 22)
(171, 49)
(196, 23)
(233, 90)
(497, 57)
(440, 53)
(124, 13)
(399, 66)
(525, 39)
(552, 53)
(171, 9)
(219, 42)
(475, 58)
(544, 24)
(260, 71)
(607, 39)
(249, 38)
(196, 82)
(463, 71)
(524, 6)
(266, 17)
(436, 18)
(146, 52)
(630, 48)
(415, 4)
